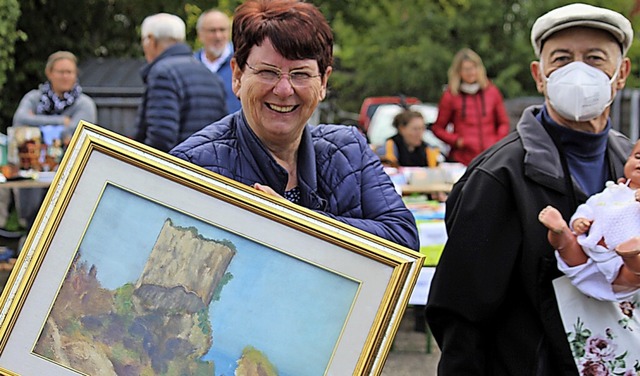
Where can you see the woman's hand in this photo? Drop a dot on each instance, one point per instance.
(266, 189)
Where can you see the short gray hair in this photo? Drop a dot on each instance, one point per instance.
(207, 12)
(164, 26)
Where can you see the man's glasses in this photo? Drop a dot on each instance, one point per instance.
(272, 76)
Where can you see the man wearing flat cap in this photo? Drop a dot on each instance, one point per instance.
(492, 306)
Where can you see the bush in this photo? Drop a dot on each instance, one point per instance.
(9, 14)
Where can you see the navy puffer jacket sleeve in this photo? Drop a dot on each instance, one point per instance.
(182, 96)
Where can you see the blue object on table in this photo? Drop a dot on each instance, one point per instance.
(51, 132)
(6, 253)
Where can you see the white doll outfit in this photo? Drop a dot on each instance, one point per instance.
(616, 217)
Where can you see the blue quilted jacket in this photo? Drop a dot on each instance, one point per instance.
(181, 97)
(338, 174)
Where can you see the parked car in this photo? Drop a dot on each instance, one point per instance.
(381, 125)
(371, 104)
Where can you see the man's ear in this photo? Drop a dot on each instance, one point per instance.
(625, 70)
(536, 73)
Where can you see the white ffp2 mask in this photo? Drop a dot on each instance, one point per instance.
(579, 92)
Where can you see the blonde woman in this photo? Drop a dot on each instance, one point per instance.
(473, 105)
(58, 101)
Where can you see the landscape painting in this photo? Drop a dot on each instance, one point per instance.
(153, 290)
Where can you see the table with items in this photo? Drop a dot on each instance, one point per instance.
(424, 191)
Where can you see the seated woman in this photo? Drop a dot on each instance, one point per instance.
(407, 147)
(600, 252)
(59, 101)
(55, 107)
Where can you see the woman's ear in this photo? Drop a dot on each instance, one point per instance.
(236, 74)
(325, 81)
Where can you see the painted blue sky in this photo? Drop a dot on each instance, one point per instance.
(290, 310)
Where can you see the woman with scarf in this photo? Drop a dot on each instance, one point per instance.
(59, 101)
(56, 108)
(473, 106)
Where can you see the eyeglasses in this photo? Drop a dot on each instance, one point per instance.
(273, 76)
(63, 72)
(214, 30)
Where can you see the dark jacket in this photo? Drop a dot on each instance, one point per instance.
(480, 119)
(338, 174)
(181, 97)
(492, 307)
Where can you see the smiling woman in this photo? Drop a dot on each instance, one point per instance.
(281, 66)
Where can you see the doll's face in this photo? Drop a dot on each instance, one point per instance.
(632, 167)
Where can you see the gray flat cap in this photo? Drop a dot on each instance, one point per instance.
(581, 15)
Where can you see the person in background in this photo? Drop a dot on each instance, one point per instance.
(59, 101)
(492, 306)
(471, 112)
(56, 107)
(181, 95)
(281, 66)
(214, 32)
(407, 148)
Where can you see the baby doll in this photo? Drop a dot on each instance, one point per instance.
(609, 220)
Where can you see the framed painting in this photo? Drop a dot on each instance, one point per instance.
(140, 263)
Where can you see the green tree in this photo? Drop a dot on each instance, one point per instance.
(9, 14)
(387, 47)
(88, 28)
(383, 47)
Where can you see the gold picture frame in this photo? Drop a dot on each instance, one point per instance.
(141, 262)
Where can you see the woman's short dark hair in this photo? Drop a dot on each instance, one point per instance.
(403, 118)
(297, 31)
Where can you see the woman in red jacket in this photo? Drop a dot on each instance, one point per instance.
(474, 108)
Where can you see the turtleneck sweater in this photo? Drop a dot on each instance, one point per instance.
(585, 153)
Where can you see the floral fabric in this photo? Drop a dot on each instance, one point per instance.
(604, 336)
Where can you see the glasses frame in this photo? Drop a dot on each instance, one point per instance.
(280, 74)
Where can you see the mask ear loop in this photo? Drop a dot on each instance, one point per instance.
(544, 76)
(612, 79)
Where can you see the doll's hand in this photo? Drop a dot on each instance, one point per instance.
(581, 226)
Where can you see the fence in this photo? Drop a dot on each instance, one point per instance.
(117, 88)
(625, 113)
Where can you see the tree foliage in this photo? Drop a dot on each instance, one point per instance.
(405, 47)
(383, 47)
(88, 28)
(9, 14)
